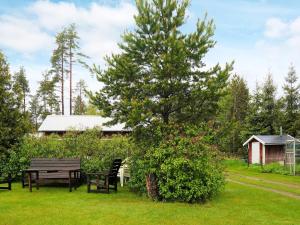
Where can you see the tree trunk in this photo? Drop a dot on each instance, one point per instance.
(70, 53)
(62, 84)
(152, 187)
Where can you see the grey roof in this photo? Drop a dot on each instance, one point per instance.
(271, 139)
(60, 123)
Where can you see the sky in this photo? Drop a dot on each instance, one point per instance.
(261, 36)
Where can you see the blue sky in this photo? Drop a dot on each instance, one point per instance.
(261, 36)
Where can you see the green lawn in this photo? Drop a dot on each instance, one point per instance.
(238, 204)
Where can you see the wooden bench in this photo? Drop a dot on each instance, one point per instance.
(5, 180)
(43, 170)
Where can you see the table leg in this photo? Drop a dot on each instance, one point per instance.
(37, 181)
(29, 182)
(70, 182)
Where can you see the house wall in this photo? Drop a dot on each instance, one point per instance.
(104, 133)
(274, 153)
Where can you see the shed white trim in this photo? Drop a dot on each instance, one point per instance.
(256, 138)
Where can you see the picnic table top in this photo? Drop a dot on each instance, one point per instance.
(33, 169)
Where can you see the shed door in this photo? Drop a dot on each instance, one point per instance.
(255, 152)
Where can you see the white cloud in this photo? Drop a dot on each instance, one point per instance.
(99, 26)
(29, 33)
(22, 35)
(33, 29)
(275, 28)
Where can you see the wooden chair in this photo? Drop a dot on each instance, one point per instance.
(6, 180)
(104, 181)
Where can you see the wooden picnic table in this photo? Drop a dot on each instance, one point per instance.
(63, 170)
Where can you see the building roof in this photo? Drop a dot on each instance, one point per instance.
(271, 139)
(62, 123)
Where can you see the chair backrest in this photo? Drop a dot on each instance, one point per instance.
(113, 171)
(53, 163)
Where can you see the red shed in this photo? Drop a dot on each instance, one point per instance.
(264, 149)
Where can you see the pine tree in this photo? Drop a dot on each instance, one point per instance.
(291, 102)
(35, 111)
(269, 112)
(12, 126)
(232, 117)
(264, 112)
(47, 95)
(74, 54)
(21, 87)
(58, 60)
(80, 106)
(160, 78)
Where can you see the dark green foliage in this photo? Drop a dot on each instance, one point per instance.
(160, 79)
(21, 87)
(49, 101)
(265, 110)
(12, 123)
(187, 169)
(95, 152)
(34, 111)
(234, 109)
(80, 106)
(160, 75)
(291, 103)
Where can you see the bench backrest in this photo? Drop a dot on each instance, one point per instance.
(40, 163)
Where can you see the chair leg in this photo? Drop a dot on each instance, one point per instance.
(37, 181)
(9, 182)
(23, 179)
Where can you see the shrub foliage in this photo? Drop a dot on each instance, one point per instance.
(185, 168)
(96, 153)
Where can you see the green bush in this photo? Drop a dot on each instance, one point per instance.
(275, 168)
(186, 168)
(96, 153)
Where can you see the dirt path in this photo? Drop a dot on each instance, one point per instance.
(284, 193)
(265, 181)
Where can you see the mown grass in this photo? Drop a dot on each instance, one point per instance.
(236, 205)
(240, 167)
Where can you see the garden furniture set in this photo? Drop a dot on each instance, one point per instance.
(66, 171)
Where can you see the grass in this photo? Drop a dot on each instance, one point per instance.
(240, 167)
(237, 204)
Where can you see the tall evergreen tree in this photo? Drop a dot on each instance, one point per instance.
(269, 111)
(264, 111)
(12, 126)
(35, 111)
(74, 54)
(47, 95)
(291, 102)
(160, 75)
(232, 117)
(80, 106)
(160, 78)
(21, 87)
(58, 60)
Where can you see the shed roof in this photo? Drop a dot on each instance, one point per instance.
(62, 123)
(271, 139)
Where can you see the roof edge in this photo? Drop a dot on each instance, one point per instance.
(254, 137)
